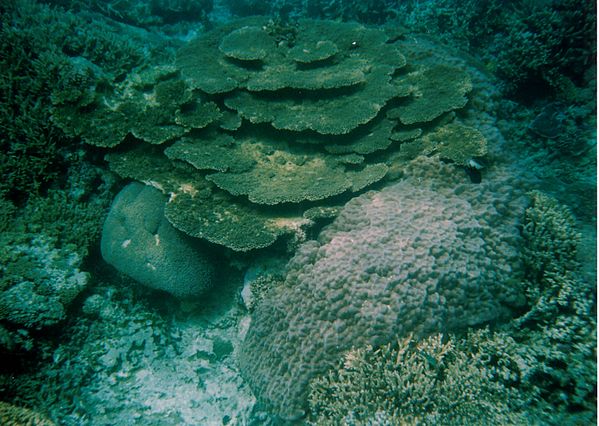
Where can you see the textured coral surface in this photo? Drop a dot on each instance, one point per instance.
(272, 114)
(139, 241)
(415, 257)
(256, 132)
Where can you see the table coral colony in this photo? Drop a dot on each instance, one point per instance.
(254, 117)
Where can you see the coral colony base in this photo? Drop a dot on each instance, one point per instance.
(238, 212)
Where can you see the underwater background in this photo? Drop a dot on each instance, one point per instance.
(321, 212)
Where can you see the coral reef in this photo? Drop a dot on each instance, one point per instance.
(364, 11)
(561, 319)
(483, 377)
(139, 241)
(427, 254)
(538, 368)
(259, 279)
(258, 122)
(129, 111)
(44, 246)
(144, 14)
(256, 133)
(73, 223)
(563, 160)
(535, 48)
(547, 46)
(436, 90)
(44, 62)
(199, 209)
(7, 213)
(456, 143)
(29, 152)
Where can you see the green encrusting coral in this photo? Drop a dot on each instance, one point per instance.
(288, 117)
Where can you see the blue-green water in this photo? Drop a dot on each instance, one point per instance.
(298, 212)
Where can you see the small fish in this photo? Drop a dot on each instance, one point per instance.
(473, 170)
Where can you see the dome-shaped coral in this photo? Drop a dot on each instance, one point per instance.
(417, 257)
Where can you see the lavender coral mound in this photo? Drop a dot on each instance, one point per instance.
(416, 257)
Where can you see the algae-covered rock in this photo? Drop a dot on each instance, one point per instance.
(39, 280)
